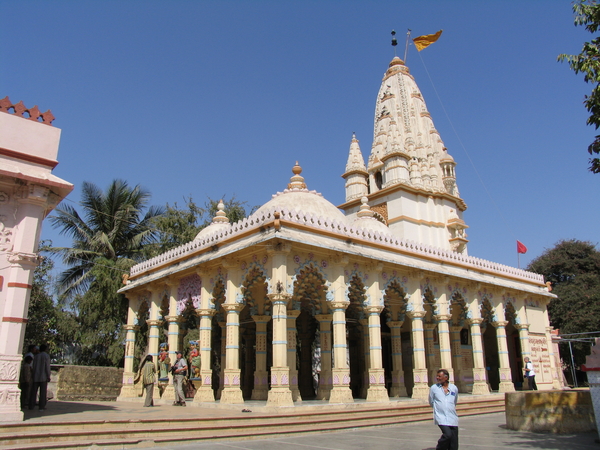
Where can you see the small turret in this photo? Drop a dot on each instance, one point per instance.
(356, 174)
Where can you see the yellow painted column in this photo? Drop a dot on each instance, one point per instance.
(232, 392)
(280, 393)
(445, 345)
(506, 384)
(292, 334)
(377, 391)
(398, 388)
(261, 381)
(421, 386)
(154, 323)
(480, 385)
(325, 377)
(128, 390)
(205, 392)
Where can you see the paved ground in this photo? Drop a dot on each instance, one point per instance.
(486, 431)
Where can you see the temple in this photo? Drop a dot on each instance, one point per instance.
(302, 301)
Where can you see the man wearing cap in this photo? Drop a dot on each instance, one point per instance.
(179, 370)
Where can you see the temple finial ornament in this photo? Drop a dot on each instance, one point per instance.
(220, 216)
(297, 181)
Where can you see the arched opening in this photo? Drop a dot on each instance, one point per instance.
(397, 357)
(432, 345)
(513, 342)
(461, 344)
(356, 334)
(309, 298)
(490, 345)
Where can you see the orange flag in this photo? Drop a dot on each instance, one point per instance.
(425, 41)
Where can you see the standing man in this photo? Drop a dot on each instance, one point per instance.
(41, 377)
(530, 374)
(443, 397)
(179, 372)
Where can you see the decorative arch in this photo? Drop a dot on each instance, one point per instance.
(394, 299)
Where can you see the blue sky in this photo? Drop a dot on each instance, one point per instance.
(214, 98)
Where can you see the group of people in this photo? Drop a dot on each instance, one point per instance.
(147, 376)
(34, 377)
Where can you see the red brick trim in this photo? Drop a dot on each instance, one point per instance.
(15, 319)
(29, 158)
(19, 285)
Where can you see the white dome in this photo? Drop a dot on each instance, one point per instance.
(366, 219)
(297, 197)
(219, 222)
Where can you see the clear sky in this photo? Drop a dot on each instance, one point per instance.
(220, 98)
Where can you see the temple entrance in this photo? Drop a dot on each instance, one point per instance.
(312, 362)
(395, 333)
(490, 345)
(357, 332)
(513, 341)
(307, 356)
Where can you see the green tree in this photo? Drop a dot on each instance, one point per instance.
(587, 13)
(107, 241)
(178, 226)
(114, 226)
(573, 268)
(47, 322)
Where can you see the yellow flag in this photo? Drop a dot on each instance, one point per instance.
(422, 42)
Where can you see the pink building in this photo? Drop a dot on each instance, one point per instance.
(28, 192)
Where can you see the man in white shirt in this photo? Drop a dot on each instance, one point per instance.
(443, 397)
(530, 374)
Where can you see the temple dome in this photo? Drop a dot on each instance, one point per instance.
(219, 223)
(297, 197)
(366, 218)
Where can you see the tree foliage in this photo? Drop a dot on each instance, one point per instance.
(587, 14)
(573, 268)
(47, 323)
(178, 226)
(113, 226)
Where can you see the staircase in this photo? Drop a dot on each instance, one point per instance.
(113, 434)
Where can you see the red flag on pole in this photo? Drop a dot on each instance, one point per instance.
(521, 248)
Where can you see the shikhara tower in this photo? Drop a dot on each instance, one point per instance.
(409, 180)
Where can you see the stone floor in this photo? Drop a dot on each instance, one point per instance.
(486, 431)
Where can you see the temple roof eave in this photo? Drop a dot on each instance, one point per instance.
(460, 203)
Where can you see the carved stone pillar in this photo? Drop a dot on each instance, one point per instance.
(261, 382)
(325, 377)
(457, 363)
(129, 390)
(232, 392)
(174, 322)
(292, 333)
(506, 384)
(524, 339)
(445, 346)
(280, 393)
(428, 331)
(421, 387)
(377, 391)
(366, 343)
(340, 392)
(480, 385)
(205, 392)
(398, 388)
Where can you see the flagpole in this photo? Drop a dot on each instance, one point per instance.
(406, 49)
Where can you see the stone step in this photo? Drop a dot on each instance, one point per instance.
(130, 433)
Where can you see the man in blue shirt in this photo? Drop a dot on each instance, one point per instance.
(443, 397)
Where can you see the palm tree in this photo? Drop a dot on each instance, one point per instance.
(114, 227)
